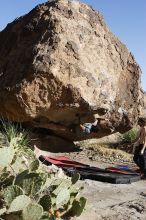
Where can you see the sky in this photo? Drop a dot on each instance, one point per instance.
(125, 18)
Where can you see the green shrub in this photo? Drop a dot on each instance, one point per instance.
(130, 136)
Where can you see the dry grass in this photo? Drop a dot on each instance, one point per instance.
(107, 151)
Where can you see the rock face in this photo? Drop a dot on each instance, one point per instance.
(142, 106)
(60, 60)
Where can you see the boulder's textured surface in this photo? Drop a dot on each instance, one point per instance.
(61, 60)
(142, 103)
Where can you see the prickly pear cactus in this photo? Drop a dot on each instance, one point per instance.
(19, 203)
(78, 206)
(45, 202)
(75, 178)
(62, 198)
(32, 212)
(10, 193)
(28, 191)
(6, 156)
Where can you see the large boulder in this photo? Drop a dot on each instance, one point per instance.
(59, 63)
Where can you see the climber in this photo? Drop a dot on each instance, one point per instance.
(140, 151)
(89, 128)
(98, 125)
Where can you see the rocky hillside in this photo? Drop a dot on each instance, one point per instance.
(60, 62)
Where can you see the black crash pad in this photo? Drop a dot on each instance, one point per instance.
(94, 173)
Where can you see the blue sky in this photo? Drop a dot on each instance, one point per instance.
(125, 18)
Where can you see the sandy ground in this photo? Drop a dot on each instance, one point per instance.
(114, 202)
(107, 201)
